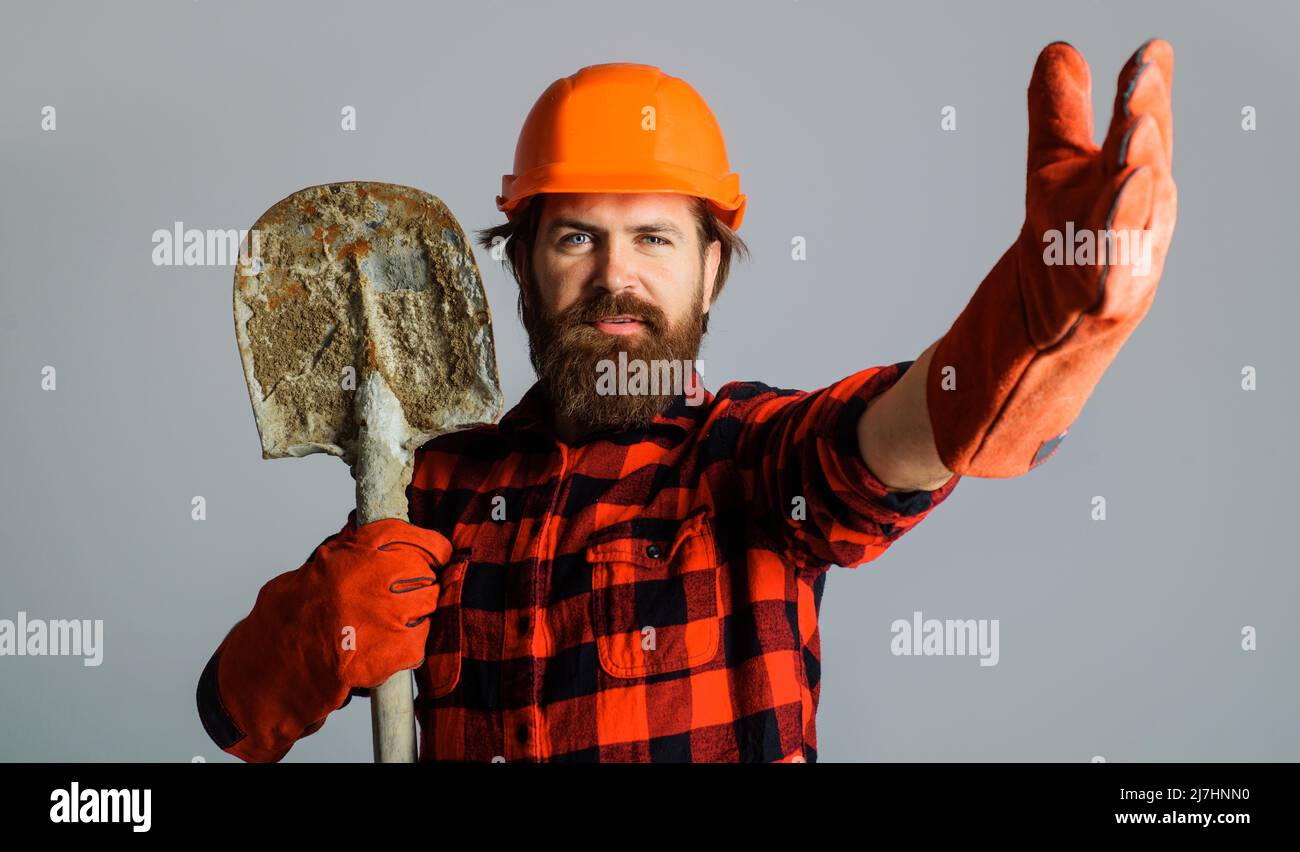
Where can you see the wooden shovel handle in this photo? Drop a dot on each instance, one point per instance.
(382, 471)
(392, 719)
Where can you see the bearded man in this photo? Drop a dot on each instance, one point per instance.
(637, 575)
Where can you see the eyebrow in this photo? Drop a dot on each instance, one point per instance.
(660, 227)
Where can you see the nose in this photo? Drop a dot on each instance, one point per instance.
(616, 268)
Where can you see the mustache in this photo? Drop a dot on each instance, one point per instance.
(610, 304)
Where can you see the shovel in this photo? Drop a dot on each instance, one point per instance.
(364, 332)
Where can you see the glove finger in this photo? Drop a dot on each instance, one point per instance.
(1154, 91)
(435, 556)
(416, 613)
(414, 607)
(1152, 97)
(1164, 215)
(1131, 277)
(1139, 146)
(377, 534)
(407, 585)
(1144, 146)
(432, 541)
(1060, 107)
(1131, 207)
(1143, 87)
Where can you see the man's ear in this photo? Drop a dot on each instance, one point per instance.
(711, 262)
(525, 272)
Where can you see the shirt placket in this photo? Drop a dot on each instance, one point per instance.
(525, 633)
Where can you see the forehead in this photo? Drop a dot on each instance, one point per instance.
(620, 208)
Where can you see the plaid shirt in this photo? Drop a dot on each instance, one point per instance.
(647, 595)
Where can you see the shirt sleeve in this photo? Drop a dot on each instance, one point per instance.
(806, 487)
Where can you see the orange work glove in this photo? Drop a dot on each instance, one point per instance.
(352, 616)
(1012, 374)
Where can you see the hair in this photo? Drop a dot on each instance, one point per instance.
(520, 235)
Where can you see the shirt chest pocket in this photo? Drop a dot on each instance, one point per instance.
(654, 596)
(442, 650)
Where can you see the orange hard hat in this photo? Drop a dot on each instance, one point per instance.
(623, 127)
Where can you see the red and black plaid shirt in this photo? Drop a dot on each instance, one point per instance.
(647, 595)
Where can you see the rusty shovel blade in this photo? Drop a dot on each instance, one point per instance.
(348, 280)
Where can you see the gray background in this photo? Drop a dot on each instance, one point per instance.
(1118, 638)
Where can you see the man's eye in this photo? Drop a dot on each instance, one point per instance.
(571, 236)
(661, 240)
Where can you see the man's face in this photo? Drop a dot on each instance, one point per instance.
(611, 273)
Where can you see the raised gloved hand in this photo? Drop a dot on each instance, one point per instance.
(352, 616)
(1014, 371)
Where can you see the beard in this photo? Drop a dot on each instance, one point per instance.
(567, 352)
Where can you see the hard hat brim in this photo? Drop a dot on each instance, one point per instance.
(724, 196)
